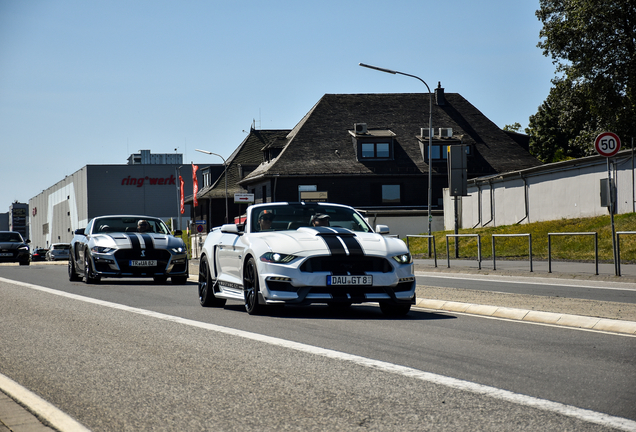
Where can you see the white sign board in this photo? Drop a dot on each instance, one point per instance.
(243, 198)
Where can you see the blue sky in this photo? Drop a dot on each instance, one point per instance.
(90, 82)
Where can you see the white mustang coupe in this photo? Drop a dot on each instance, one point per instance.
(303, 253)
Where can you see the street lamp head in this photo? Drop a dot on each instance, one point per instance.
(204, 151)
(378, 68)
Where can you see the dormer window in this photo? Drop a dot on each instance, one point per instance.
(380, 150)
(373, 144)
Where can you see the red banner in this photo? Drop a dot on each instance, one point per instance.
(181, 198)
(195, 184)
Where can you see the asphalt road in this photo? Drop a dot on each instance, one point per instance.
(149, 357)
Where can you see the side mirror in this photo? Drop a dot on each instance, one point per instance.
(27, 241)
(178, 233)
(80, 231)
(230, 228)
(382, 229)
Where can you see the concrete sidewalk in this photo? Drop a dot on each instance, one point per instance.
(540, 268)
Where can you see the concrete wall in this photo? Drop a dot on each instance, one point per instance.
(563, 190)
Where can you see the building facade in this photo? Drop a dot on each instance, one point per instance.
(96, 190)
(562, 190)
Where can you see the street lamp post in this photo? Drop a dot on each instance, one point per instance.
(224, 175)
(430, 141)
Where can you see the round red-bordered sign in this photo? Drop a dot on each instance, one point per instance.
(607, 144)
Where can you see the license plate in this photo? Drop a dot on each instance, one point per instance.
(143, 263)
(349, 280)
(6, 254)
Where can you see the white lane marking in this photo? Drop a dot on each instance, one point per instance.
(506, 395)
(57, 418)
(548, 283)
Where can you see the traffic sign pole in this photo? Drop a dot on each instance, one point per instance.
(608, 144)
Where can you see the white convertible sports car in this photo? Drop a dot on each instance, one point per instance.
(127, 246)
(302, 253)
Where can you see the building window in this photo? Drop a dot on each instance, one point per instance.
(440, 152)
(390, 194)
(305, 188)
(379, 150)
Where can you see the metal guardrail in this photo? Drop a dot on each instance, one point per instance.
(494, 255)
(464, 235)
(572, 234)
(618, 249)
(423, 236)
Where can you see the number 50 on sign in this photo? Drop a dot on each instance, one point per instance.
(607, 144)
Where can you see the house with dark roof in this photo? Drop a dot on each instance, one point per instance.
(370, 151)
(259, 144)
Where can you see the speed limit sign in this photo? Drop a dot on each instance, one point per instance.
(607, 144)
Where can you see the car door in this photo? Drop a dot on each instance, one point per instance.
(228, 254)
(80, 245)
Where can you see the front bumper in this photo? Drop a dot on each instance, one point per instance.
(288, 284)
(15, 255)
(117, 264)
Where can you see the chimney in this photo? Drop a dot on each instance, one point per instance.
(439, 95)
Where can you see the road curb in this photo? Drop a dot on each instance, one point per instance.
(566, 320)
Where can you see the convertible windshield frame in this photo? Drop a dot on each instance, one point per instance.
(291, 216)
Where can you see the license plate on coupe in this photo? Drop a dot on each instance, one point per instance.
(143, 263)
(349, 280)
(6, 254)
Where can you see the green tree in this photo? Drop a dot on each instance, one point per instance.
(515, 127)
(593, 45)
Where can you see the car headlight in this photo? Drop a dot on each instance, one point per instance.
(277, 258)
(102, 249)
(25, 247)
(403, 258)
(178, 249)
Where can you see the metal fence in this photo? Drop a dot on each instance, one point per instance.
(464, 235)
(494, 254)
(424, 236)
(618, 249)
(572, 234)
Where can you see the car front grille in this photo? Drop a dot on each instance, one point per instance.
(356, 265)
(124, 257)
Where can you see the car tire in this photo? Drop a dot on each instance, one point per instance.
(394, 310)
(72, 274)
(25, 263)
(160, 279)
(179, 280)
(251, 288)
(89, 274)
(206, 291)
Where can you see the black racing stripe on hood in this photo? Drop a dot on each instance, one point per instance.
(134, 241)
(334, 237)
(355, 248)
(334, 245)
(148, 241)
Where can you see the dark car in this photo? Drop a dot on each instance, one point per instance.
(127, 246)
(13, 248)
(39, 254)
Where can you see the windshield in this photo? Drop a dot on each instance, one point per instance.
(129, 224)
(294, 216)
(10, 237)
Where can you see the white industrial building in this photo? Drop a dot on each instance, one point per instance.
(561, 190)
(145, 186)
